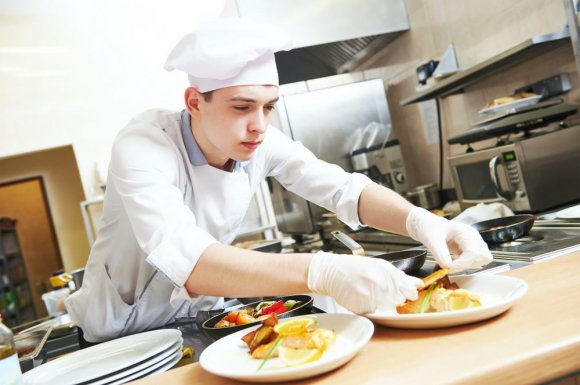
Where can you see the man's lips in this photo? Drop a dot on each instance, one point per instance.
(251, 145)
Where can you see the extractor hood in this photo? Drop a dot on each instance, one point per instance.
(330, 36)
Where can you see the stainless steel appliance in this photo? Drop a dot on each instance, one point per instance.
(383, 163)
(329, 38)
(531, 174)
(327, 116)
(539, 244)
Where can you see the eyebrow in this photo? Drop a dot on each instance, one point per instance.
(249, 100)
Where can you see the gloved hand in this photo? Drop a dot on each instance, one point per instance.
(442, 236)
(360, 284)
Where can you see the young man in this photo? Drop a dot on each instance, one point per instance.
(179, 185)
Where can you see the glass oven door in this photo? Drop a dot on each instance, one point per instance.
(473, 178)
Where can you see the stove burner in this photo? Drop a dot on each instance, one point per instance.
(522, 240)
(510, 244)
(538, 244)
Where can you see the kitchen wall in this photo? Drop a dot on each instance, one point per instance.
(74, 72)
(479, 30)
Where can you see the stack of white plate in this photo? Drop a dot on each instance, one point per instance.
(113, 362)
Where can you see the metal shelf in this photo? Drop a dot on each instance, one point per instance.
(526, 50)
(12, 291)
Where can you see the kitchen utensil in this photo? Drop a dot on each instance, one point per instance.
(31, 348)
(209, 328)
(426, 196)
(353, 246)
(99, 363)
(505, 229)
(409, 261)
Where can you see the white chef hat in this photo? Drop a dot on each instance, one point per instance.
(229, 52)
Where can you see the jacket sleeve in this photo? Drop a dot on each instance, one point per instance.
(320, 182)
(144, 170)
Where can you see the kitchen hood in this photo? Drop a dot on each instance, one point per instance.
(330, 36)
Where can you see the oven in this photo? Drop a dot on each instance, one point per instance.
(533, 174)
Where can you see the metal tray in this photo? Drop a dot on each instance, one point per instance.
(31, 348)
(61, 325)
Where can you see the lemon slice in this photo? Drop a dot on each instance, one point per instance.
(294, 357)
(293, 326)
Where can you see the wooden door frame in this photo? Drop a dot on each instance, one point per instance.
(40, 178)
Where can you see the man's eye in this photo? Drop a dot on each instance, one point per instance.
(270, 107)
(241, 108)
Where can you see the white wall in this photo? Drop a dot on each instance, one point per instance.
(75, 71)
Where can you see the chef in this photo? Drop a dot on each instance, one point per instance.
(179, 185)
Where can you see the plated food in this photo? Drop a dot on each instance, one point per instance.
(504, 103)
(229, 357)
(509, 99)
(296, 341)
(440, 294)
(497, 294)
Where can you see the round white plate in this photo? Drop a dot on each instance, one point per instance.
(569, 213)
(498, 293)
(159, 367)
(103, 359)
(230, 356)
(515, 104)
(142, 366)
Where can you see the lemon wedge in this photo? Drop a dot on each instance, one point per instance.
(294, 357)
(293, 326)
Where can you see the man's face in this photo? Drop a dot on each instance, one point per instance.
(232, 124)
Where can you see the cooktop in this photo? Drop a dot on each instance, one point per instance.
(539, 244)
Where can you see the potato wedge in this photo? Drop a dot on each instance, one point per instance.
(262, 336)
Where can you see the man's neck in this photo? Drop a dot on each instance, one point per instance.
(227, 165)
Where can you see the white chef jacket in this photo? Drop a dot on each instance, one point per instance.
(164, 205)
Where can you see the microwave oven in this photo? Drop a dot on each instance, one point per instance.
(529, 175)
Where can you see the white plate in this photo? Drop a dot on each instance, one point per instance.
(230, 357)
(159, 367)
(497, 293)
(103, 359)
(569, 213)
(142, 366)
(515, 104)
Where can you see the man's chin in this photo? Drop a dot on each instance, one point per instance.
(243, 157)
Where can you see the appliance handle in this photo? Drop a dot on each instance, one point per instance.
(493, 166)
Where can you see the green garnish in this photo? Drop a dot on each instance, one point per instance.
(425, 303)
(271, 351)
(290, 304)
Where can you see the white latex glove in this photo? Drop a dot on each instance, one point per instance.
(441, 236)
(360, 284)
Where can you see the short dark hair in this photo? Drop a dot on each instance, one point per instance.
(207, 96)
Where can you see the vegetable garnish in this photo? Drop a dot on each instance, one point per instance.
(288, 328)
(425, 303)
(277, 307)
(271, 351)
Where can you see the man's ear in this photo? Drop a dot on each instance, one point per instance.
(192, 99)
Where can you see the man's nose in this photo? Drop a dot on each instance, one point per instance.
(259, 122)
